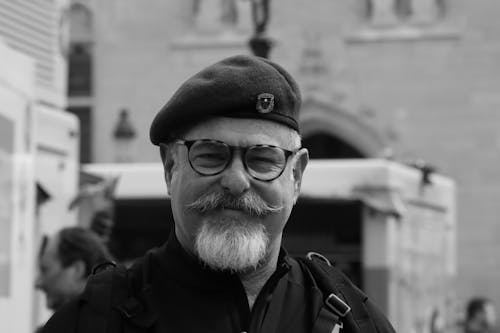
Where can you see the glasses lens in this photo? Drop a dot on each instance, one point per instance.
(265, 162)
(209, 157)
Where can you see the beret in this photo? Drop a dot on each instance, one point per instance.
(240, 86)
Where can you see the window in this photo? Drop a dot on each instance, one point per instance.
(217, 16)
(80, 69)
(80, 74)
(400, 20)
(218, 23)
(84, 114)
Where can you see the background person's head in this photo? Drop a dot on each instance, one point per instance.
(230, 205)
(480, 315)
(66, 260)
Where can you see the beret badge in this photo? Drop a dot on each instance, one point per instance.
(265, 103)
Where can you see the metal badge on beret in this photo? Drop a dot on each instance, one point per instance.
(265, 103)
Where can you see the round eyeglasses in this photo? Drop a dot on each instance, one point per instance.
(211, 157)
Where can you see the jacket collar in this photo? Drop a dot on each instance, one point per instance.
(183, 267)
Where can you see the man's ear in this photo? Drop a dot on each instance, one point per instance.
(168, 163)
(301, 160)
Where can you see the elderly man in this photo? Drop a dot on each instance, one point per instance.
(65, 262)
(233, 163)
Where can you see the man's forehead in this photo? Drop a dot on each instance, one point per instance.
(489, 309)
(240, 130)
(51, 247)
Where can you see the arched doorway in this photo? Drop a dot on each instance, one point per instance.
(332, 226)
(325, 145)
(80, 67)
(332, 132)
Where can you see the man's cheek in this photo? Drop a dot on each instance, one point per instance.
(273, 197)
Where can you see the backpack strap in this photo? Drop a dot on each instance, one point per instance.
(137, 309)
(96, 300)
(331, 318)
(116, 289)
(343, 302)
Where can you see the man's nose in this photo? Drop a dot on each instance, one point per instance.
(38, 282)
(235, 179)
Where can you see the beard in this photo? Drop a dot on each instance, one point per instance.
(231, 244)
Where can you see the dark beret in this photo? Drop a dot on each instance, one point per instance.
(239, 87)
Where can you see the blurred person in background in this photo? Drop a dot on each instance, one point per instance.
(102, 225)
(480, 316)
(66, 260)
(437, 324)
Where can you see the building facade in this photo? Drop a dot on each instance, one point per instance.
(39, 144)
(402, 79)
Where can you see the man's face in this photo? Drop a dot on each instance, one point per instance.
(234, 231)
(60, 284)
(489, 316)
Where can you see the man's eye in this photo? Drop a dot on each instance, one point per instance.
(261, 160)
(264, 156)
(264, 164)
(209, 156)
(208, 159)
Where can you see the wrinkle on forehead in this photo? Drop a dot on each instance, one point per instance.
(243, 132)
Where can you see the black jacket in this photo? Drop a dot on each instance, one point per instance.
(169, 291)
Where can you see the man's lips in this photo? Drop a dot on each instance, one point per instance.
(226, 211)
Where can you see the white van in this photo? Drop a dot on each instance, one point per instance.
(39, 169)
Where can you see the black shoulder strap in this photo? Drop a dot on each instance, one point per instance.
(343, 301)
(115, 289)
(137, 309)
(97, 299)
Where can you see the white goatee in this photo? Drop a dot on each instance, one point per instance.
(228, 244)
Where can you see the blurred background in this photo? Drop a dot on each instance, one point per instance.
(400, 114)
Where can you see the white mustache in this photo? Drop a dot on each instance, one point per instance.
(250, 203)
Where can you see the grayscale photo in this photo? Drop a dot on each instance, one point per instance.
(249, 166)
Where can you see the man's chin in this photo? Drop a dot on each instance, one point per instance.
(239, 248)
(54, 304)
(233, 267)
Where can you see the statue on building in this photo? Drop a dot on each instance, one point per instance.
(260, 15)
(218, 16)
(260, 44)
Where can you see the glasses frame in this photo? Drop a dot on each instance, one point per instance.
(232, 149)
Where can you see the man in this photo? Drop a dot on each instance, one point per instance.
(230, 146)
(65, 262)
(480, 316)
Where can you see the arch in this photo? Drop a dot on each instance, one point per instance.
(319, 118)
(325, 145)
(81, 23)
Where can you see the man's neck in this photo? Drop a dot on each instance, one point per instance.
(254, 281)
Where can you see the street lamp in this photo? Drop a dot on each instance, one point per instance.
(124, 135)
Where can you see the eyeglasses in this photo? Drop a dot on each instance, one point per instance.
(211, 157)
